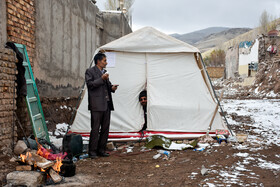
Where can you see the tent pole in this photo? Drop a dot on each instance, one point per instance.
(223, 114)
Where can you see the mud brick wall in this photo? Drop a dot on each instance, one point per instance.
(21, 24)
(7, 97)
(21, 29)
(216, 72)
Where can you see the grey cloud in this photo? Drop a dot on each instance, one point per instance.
(182, 16)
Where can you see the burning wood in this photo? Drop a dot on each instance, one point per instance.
(24, 168)
(31, 158)
(51, 168)
(55, 176)
(44, 161)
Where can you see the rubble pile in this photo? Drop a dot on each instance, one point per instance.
(268, 76)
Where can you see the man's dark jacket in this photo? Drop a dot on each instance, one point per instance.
(96, 91)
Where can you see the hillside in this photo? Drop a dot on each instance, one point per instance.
(210, 37)
(214, 40)
(193, 37)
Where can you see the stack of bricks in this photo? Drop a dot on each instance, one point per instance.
(21, 24)
(7, 97)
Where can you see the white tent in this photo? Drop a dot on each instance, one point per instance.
(180, 100)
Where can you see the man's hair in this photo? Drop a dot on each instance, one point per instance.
(99, 56)
(142, 94)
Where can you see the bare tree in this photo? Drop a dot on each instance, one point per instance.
(264, 21)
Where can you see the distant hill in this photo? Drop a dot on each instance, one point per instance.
(247, 36)
(214, 40)
(193, 37)
(211, 37)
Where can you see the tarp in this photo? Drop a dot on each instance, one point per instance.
(178, 97)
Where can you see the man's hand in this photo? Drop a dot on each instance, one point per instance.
(115, 87)
(105, 76)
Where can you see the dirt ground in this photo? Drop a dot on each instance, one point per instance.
(180, 170)
(5, 167)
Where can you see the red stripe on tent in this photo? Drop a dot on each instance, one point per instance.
(117, 135)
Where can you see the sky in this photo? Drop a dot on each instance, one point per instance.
(184, 16)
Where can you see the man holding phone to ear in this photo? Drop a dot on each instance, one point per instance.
(100, 104)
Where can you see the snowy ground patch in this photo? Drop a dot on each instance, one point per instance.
(265, 114)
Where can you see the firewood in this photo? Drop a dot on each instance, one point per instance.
(55, 176)
(41, 162)
(23, 168)
(32, 158)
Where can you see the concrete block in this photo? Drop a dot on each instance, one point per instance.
(20, 147)
(25, 178)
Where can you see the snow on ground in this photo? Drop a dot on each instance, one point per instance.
(259, 119)
(265, 114)
(264, 131)
(57, 136)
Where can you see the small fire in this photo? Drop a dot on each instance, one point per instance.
(26, 157)
(57, 164)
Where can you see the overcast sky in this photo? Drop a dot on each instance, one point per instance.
(183, 16)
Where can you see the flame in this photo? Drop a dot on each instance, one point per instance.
(57, 164)
(44, 154)
(26, 157)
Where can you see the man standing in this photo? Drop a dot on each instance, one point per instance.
(143, 101)
(100, 104)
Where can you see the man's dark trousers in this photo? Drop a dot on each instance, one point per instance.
(98, 141)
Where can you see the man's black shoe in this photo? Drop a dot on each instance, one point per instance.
(92, 156)
(104, 154)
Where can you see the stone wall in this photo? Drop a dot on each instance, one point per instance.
(67, 35)
(7, 97)
(115, 25)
